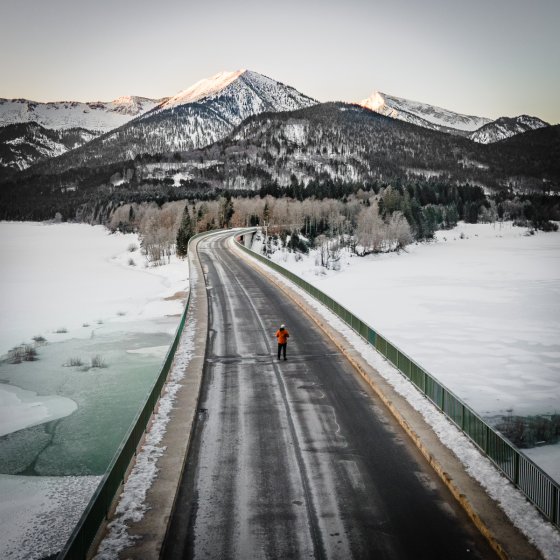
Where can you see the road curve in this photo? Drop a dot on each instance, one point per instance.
(297, 458)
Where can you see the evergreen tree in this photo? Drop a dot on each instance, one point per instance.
(184, 234)
(226, 210)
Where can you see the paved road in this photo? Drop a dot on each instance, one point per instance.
(297, 459)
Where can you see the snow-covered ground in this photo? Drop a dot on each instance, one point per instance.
(59, 277)
(73, 285)
(479, 309)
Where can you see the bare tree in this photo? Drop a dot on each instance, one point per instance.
(370, 231)
(398, 231)
(328, 252)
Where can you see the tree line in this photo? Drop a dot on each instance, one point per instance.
(368, 220)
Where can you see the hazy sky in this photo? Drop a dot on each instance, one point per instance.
(482, 57)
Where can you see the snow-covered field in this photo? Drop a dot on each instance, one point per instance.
(73, 285)
(479, 309)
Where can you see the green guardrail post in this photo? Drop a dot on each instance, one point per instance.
(516, 459)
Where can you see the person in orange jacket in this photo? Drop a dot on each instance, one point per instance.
(282, 335)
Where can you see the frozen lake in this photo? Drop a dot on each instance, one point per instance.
(61, 420)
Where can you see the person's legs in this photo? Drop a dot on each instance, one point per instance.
(279, 350)
(284, 346)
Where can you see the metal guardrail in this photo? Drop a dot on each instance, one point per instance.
(536, 485)
(99, 506)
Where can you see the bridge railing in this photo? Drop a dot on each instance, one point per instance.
(535, 484)
(99, 506)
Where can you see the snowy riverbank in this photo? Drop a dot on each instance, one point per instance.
(91, 295)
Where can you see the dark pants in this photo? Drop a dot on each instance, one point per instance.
(282, 348)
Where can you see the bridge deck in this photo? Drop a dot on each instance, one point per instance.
(297, 458)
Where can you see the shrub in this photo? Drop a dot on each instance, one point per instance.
(132, 247)
(39, 340)
(131, 262)
(97, 362)
(22, 353)
(61, 330)
(73, 362)
(29, 353)
(85, 325)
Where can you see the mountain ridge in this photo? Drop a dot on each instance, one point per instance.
(479, 129)
(199, 116)
(99, 116)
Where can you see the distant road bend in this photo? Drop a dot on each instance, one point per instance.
(298, 459)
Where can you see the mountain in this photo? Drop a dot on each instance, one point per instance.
(422, 114)
(334, 142)
(505, 127)
(337, 142)
(313, 148)
(61, 115)
(24, 144)
(535, 153)
(200, 115)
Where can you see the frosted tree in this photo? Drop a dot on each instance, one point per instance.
(399, 234)
(370, 230)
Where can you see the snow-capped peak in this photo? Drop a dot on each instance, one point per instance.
(203, 88)
(422, 114)
(375, 102)
(132, 105)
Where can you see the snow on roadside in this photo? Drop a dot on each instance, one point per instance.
(522, 514)
(132, 503)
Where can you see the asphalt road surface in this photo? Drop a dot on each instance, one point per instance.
(297, 458)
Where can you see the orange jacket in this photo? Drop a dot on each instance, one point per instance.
(282, 335)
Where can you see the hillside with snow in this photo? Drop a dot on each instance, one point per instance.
(24, 144)
(200, 115)
(422, 114)
(506, 127)
(98, 116)
(479, 129)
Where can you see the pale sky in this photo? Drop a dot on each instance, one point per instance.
(481, 57)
